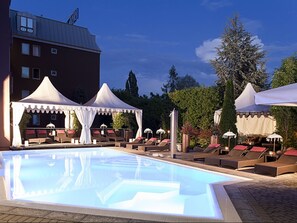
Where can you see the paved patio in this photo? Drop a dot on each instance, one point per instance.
(262, 199)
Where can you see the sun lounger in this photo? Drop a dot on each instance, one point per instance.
(211, 150)
(40, 137)
(138, 140)
(163, 145)
(112, 136)
(287, 163)
(253, 156)
(96, 134)
(62, 136)
(151, 141)
(237, 151)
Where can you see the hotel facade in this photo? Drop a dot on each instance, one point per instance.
(35, 47)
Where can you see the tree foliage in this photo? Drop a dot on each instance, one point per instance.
(196, 105)
(228, 115)
(239, 59)
(186, 82)
(131, 85)
(171, 85)
(286, 117)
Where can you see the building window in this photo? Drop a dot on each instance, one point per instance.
(26, 48)
(25, 93)
(36, 119)
(26, 24)
(54, 73)
(54, 51)
(25, 72)
(36, 51)
(36, 73)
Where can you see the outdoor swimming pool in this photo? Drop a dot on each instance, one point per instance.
(107, 181)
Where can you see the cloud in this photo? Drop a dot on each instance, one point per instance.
(208, 50)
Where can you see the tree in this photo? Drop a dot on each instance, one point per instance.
(171, 85)
(186, 82)
(228, 115)
(131, 84)
(286, 117)
(239, 59)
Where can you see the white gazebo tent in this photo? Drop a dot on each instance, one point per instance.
(46, 98)
(252, 119)
(281, 96)
(105, 102)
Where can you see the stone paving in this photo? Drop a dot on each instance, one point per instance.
(262, 199)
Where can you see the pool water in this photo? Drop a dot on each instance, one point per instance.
(104, 178)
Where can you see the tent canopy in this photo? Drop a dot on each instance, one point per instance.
(106, 102)
(281, 96)
(251, 117)
(47, 98)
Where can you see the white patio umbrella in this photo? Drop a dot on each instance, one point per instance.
(160, 131)
(229, 135)
(274, 137)
(50, 126)
(148, 131)
(103, 126)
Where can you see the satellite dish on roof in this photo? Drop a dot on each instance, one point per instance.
(74, 16)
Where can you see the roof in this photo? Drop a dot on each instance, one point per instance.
(56, 32)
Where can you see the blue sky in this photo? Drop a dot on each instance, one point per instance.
(149, 36)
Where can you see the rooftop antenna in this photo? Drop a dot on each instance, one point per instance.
(73, 17)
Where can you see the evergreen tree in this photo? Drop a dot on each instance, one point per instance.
(186, 82)
(239, 59)
(286, 117)
(131, 85)
(228, 115)
(171, 85)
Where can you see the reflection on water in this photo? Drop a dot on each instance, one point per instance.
(105, 178)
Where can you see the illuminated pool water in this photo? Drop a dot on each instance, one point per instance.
(106, 179)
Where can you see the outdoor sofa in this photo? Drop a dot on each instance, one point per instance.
(112, 136)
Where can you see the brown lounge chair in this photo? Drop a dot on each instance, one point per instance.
(151, 141)
(287, 163)
(253, 156)
(138, 140)
(96, 134)
(163, 145)
(211, 150)
(237, 151)
(112, 136)
(41, 136)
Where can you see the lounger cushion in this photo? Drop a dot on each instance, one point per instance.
(292, 152)
(30, 132)
(240, 147)
(258, 149)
